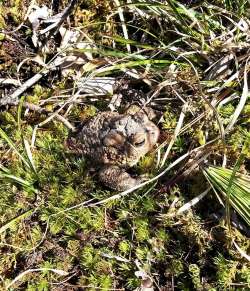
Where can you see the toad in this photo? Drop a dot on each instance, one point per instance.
(114, 142)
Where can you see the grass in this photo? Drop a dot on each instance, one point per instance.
(61, 229)
(234, 188)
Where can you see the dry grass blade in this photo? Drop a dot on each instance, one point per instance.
(192, 202)
(122, 19)
(29, 155)
(176, 133)
(243, 99)
(20, 276)
(243, 254)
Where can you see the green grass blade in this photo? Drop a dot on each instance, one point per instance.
(132, 64)
(233, 186)
(13, 147)
(230, 186)
(18, 180)
(15, 220)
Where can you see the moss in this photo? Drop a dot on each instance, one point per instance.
(2, 21)
(244, 274)
(89, 257)
(41, 284)
(124, 247)
(83, 114)
(142, 229)
(200, 136)
(194, 271)
(2, 36)
(169, 119)
(13, 8)
(176, 267)
(7, 119)
(142, 253)
(146, 164)
(226, 271)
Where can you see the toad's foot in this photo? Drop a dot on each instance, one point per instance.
(117, 178)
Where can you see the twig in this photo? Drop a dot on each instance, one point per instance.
(33, 80)
(28, 84)
(119, 259)
(65, 122)
(51, 116)
(7, 81)
(26, 105)
(66, 280)
(243, 254)
(40, 110)
(51, 65)
(67, 11)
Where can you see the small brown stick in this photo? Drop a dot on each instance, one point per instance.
(67, 11)
(33, 80)
(9, 81)
(65, 122)
(28, 84)
(40, 110)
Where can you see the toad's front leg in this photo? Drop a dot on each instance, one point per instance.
(117, 178)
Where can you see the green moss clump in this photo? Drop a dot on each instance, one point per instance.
(226, 271)
(194, 271)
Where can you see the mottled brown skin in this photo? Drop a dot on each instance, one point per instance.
(114, 142)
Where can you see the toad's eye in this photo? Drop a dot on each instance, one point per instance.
(139, 143)
(139, 140)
